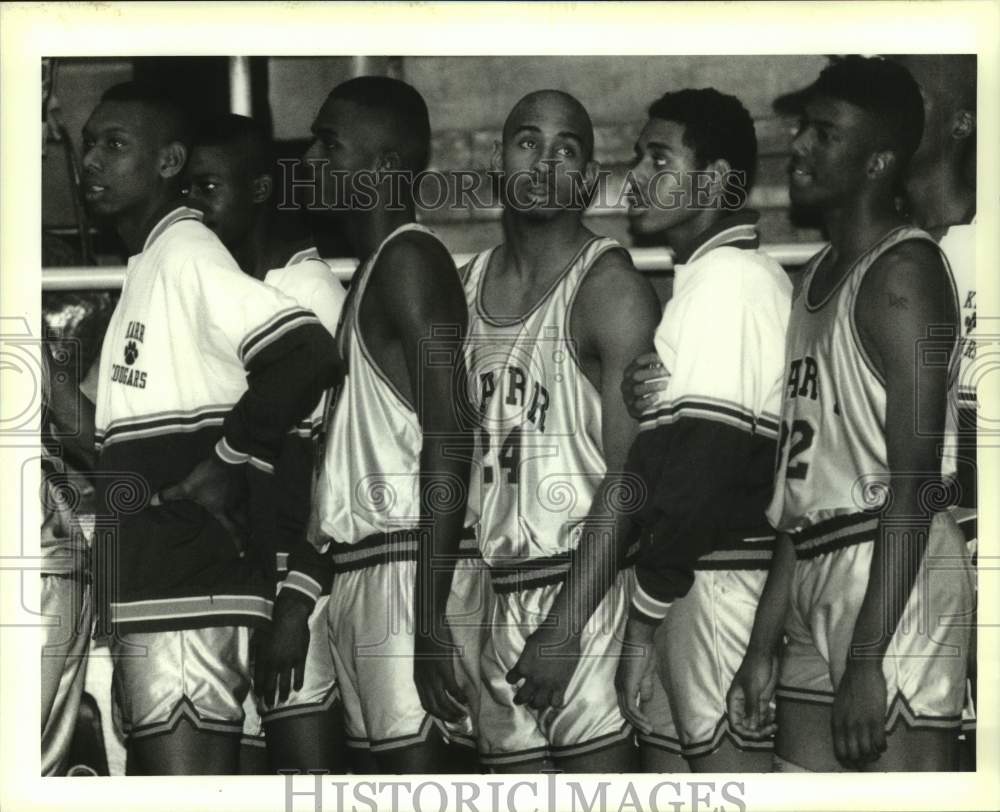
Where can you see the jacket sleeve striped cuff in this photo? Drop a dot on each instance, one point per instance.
(302, 584)
(645, 607)
(225, 452)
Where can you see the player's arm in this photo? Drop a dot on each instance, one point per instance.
(281, 650)
(618, 312)
(906, 294)
(289, 359)
(748, 700)
(420, 293)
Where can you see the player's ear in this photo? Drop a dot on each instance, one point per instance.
(963, 124)
(880, 163)
(172, 159)
(719, 170)
(263, 185)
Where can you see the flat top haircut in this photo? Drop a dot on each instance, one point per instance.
(540, 102)
(716, 126)
(244, 136)
(884, 89)
(174, 122)
(402, 112)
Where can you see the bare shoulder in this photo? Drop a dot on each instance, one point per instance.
(909, 277)
(414, 252)
(613, 286)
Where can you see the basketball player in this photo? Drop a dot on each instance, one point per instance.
(941, 197)
(706, 446)
(229, 178)
(391, 492)
(203, 372)
(557, 313)
(873, 674)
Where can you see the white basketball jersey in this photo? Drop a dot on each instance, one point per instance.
(832, 458)
(959, 246)
(541, 452)
(369, 481)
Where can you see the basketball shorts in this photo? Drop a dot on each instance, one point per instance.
(698, 647)
(66, 605)
(319, 683)
(202, 675)
(590, 721)
(371, 628)
(925, 664)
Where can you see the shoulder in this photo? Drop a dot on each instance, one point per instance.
(913, 265)
(906, 288)
(192, 246)
(306, 280)
(613, 272)
(615, 299)
(414, 251)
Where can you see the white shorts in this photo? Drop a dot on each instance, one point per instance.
(66, 602)
(699, 646)
(591, 720)
(371, 627)
(202, 675)
(319, 683)
(925, 664)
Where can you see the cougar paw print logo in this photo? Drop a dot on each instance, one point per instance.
(131, 353)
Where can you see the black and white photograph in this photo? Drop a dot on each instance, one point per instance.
(421, 413)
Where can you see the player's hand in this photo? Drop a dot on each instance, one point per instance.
(546, 665)
(858, 715)
(749, 699)
(434, 674)
(280, 651)
(636, 673)
(220, 489)
(641, 381)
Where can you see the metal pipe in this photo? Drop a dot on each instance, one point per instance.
(240, 93)
(650, 260)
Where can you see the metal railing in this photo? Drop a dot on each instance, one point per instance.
(651, 260)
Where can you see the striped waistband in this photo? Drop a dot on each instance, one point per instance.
(855, 528)
(748, 553)
(401, 545)
(530, 574)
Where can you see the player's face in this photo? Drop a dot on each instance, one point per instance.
(544, 161)
(345, 142)
(662, 181)
(121, 158)
(220, 184)
(830, 153)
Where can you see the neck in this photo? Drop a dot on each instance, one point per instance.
(366, 230)
(856, 225)
(255, 255)
(939, 197)
(684, 238)
(134, 226)
(537, 247)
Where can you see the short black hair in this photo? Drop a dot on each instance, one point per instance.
(881, 87)
(175, 119)
(404, 110)
(716, 126)
(241, 133)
